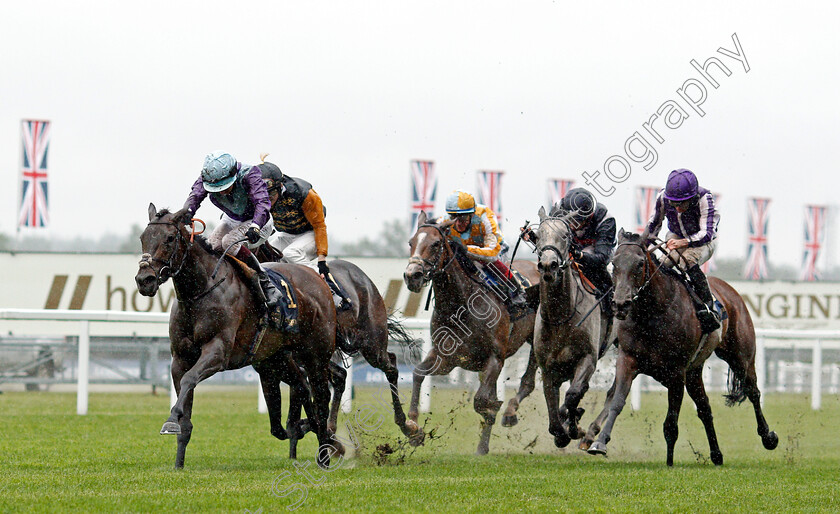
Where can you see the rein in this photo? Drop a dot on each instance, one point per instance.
(430, 267)
(648, 265)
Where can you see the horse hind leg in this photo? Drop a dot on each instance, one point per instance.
(697, 392)
(526, 386)
(486, 403)
(271, 391)
(338, 380)
(745, 383)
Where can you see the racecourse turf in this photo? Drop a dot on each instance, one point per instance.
(113, 460)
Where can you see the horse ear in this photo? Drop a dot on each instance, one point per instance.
(183, 216)
(542, 214)
(421, 220)
(152, 211)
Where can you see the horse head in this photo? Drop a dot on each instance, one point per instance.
(553, 242)
(430, 253)
(165, 243)
(631, 271)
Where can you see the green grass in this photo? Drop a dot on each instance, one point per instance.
(114, 460)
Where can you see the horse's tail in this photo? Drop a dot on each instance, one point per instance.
(735, 386)
(397, 331)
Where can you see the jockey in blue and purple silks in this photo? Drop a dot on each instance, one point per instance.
(240, 192)
(692, 234)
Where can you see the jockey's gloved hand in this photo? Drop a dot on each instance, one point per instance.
(253, 235)
(576, 253)
(323, 269)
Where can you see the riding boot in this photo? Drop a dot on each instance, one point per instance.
(270, 295)
(342, 301)
(707, 314)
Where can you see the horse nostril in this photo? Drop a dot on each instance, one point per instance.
(417, 275)
(554, 265)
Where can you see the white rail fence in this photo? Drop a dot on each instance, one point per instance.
(785, 375)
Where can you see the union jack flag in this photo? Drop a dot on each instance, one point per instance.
(34, 201)
(490, 192)
(645, 205)
(756, 265)
(711, 264)
(557, 189)
(814, 239)
(423, 190)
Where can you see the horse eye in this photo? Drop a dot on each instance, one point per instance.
(170, 238)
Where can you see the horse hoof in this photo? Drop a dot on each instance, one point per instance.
(597, 448)
(584, 444)
(717, 458)
(510, 421)
(770, 441)
(418, 438)
(280, 434)
(170, 428)
(562, 440)
(482, 450)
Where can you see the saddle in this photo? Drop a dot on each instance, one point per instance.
(285, 315)
(684, 279)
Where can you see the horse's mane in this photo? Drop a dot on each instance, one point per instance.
(631, 237)
(198, 238)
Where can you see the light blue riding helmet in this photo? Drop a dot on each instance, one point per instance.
(219, 171)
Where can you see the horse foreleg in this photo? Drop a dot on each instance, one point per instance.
(486, 403)
(551, 391)
(433, 364)
(595, 426)
(671, 427)
(270, 384)
(577, 388)
(526, 387)
(625, 372)
(697, 392)
(210, 362)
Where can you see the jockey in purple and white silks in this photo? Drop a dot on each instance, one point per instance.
(241, 194)
(692, 234)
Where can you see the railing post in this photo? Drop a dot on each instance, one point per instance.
(636, 393)
(760, 367)
(347, 397)
(83, 369)
(816, 377)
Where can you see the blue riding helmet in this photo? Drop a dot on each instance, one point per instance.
(219, 171)
(682, 185)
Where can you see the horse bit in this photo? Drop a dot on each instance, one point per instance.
(429, 266)
(165, 273)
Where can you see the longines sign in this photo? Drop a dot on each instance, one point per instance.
(106, 282)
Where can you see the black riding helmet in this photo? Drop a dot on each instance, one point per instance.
(272, 175)
(579, 202)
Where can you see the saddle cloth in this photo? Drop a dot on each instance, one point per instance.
(285, 315)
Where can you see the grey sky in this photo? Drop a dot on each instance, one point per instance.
(344, 94)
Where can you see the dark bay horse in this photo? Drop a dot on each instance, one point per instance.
(659, 335)
(470, 326)
(214, 324)
(365, 328)
(569, 332)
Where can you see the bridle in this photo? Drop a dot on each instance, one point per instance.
(564, 257)
(431, 267)
(649, 265)
(164, 273)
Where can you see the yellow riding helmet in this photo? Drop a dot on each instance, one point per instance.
(459, 202)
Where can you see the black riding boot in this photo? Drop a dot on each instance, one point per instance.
(707, 315)
(271, 296)
(516, 304)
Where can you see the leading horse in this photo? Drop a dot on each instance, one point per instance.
(470, 326)
(659, 335)
(570, 332)
(215, 324)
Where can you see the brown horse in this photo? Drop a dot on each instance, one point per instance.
(214, 325)
(570, 331)
(364, 328)
(470, 326)
(659, 335)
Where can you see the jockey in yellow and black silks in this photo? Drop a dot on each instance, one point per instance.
(300, 223)
(476, 228)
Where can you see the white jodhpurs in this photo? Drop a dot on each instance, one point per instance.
(230, 230)
(297, 248)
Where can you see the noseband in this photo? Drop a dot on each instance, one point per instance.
(165, 272)
(432, 267)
